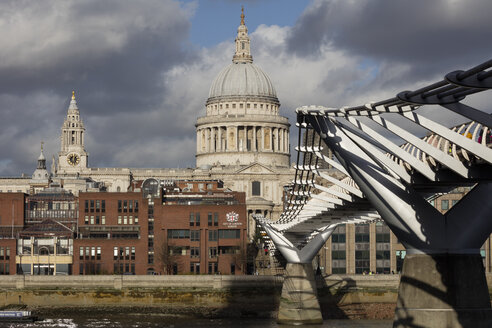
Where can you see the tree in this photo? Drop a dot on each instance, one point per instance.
(165, 260)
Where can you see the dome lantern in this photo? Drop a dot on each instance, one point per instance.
(243, 52)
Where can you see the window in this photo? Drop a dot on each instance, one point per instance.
(209, 219)
(86, 219)
(192, 219)
(362, 238)
(216, 219)
(338, 250)
(361, 261)
(229, 234)
(92, 206)
(338, 255)
(212, 235)
(119, 219)
(130, 206)
(195, 251)
(98, 254)
(212, 252)
(228, 249)
(255, 188)
(133, 252)
(115, 253)
(445, 204)
(120, 206)
(125, 206)
(103, 219)
(86, 206)
(178, 234)
(454, 202)
(98, 205)
(103, 206)
(382, 255)
(362, 233)
(383, 263)
(195, 235)
(136, 206)
(197, 219)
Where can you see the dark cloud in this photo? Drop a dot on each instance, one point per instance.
(113, 53)
(428, 35)
(140, 85)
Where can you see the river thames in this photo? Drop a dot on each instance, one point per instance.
(148, 321)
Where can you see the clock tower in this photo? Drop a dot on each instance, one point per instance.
(72, 158)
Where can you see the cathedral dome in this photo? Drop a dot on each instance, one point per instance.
(242, 79)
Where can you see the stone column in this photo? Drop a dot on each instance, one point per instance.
(237, 138)
(207, 138)
(299, 301)
(287, 142)
(277, 140)
(198, 133)
(262, 138)
(255, 147)
(212, 140)
(281, 140)
(219, 141)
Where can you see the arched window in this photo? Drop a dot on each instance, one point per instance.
(256, 188)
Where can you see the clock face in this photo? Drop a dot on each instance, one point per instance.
(73, 159)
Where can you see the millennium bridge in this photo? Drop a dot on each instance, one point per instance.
(382, 167)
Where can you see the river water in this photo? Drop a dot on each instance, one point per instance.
(167, 321)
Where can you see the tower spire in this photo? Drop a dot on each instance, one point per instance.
(243, 53)
(41, 159)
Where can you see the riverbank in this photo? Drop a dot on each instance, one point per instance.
(201, 296)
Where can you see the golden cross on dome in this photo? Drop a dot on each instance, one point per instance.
(42, 143)
(242, 15)
(73, 94)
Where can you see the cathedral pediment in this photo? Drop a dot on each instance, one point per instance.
(255, 168)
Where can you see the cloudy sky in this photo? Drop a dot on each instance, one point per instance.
(142, 69)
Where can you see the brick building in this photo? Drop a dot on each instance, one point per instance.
(157, 227)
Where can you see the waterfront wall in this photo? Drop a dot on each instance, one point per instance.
(253, 295)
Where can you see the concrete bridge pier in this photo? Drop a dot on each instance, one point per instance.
(299, 300)
(443, 290)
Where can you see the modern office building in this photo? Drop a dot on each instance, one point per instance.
(366, 248)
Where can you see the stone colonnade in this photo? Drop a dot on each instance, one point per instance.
(242, 138)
